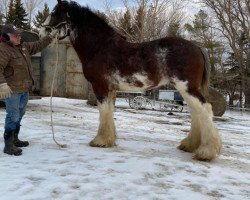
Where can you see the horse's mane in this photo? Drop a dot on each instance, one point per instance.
(84, 16)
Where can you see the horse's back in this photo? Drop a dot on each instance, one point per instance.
(180, 48)
(184, 60)
(171, 52)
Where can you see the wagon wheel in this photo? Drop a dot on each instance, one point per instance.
(171, 106)
(131, 102)
(129, 98)
(166, 105)
(139, 102)
(176, 108)
(148, 102)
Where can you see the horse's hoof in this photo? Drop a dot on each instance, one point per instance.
(186, 146)
(204, 157)
(93, 143)
(206, 153)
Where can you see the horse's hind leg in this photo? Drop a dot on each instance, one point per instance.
(106, 135)
(192, 141)
(203, 138)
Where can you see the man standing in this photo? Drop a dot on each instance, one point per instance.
(16, 81)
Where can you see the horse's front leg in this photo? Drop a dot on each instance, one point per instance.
(106, 135)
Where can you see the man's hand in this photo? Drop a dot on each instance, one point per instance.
(53, 33)
(5, 91)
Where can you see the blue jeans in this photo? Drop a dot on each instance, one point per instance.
(15, 109)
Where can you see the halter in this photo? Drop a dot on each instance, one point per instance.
(59, 25)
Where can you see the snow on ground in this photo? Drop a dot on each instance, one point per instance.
(145, 164)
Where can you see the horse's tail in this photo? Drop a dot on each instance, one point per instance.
(206, 73)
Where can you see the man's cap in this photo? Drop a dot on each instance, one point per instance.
(10, 29)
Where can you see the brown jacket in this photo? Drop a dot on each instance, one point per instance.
(15, 63)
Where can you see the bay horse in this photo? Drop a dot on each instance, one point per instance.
(111, 63)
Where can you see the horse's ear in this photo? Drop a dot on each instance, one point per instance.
(59, 2)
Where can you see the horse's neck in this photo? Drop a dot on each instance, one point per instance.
(90, 42)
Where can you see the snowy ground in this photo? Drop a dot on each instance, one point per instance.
(145, 164)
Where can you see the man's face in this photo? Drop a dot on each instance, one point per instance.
(15, 39)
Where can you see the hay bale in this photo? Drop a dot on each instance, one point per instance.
(217, 101)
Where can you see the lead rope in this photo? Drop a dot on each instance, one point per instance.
(51, 94)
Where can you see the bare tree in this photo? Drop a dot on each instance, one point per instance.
(233, 18)
(4, 7)
(150, 19)
(31, 6)
(202, 32)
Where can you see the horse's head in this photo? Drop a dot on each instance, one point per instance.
(57, 19)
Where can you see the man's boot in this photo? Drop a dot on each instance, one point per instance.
(17, 142)
(9, 147)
